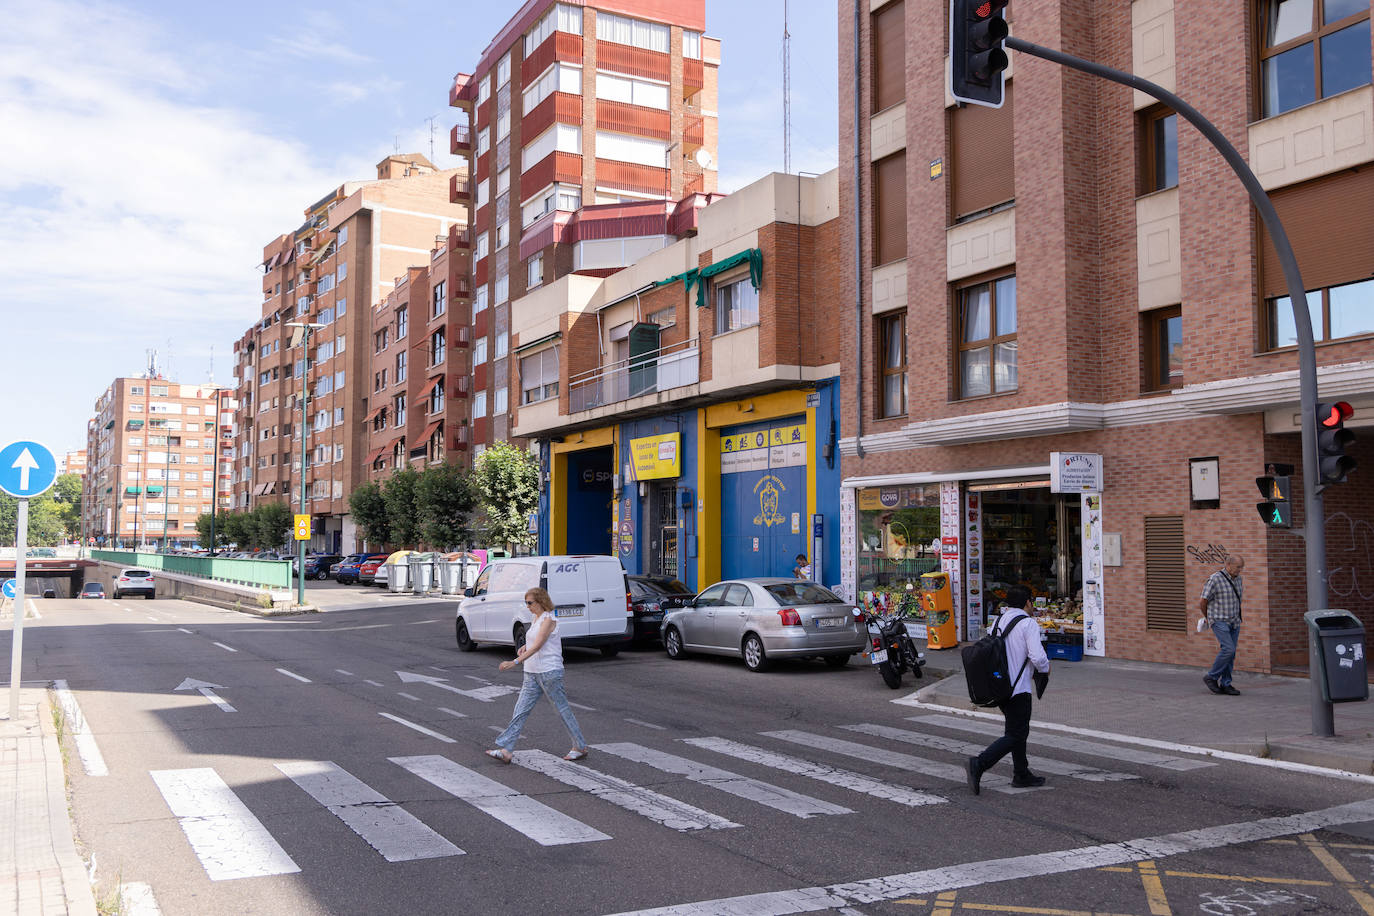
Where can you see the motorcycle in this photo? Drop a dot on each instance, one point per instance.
(892, 649)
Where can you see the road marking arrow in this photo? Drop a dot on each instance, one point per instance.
(25, 463)
(485, 694)
(207, 690)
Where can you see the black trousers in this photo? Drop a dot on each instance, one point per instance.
(1017, 712)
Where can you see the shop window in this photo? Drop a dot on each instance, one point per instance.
(898, 540)
(1337, 311)
(889, 209)
(1159, 150)
(892, 337)
(1313, 49)
(888, 41)
(987, 338)
(1163, 336)
(1166, 592)
(737, 304)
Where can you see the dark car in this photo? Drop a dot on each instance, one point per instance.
(92, 590)
(367, 569)
(317, 566)
(650, 596)
(348, 569)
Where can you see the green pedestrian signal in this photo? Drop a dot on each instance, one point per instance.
(1276, 490)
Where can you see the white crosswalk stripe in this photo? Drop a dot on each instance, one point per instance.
(934, 768)
(656, 807)
(1077, 745)
(394, 832)
(967, 749)
(753, 790)
(534, 819)
(833, 775)
(229, 841)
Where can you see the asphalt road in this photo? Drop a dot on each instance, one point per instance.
(341, 783)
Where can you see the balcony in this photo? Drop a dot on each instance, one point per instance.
(459, 237)
(461, 438)
(674, 366)
(459, 139)
(458, 94)
(462, 338)
(459, 189)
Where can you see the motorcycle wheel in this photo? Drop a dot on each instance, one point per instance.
(892, 675)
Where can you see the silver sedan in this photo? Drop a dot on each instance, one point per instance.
(763, 619)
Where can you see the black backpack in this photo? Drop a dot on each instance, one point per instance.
(985, 666)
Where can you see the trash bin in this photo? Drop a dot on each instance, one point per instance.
(1339, 649)
(421, 572)
(398, 576)
(445, 576)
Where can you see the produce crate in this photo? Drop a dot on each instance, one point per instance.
(1067, 646)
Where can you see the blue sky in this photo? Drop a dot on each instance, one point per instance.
(151, 149)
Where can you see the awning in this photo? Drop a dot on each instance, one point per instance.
(374, 455)
(135, 424)
(152, 490)
(753, 257)
(556, 335)
(372, 416)
(437, 375)
(110, 424)
(429, 430)
(132, 491)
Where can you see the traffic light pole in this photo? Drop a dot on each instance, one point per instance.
(1323, 721)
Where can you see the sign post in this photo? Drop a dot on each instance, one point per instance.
(26, 469)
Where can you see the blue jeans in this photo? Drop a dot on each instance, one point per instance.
(550, 684)
(1227, 634)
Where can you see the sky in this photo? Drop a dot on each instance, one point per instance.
(151, 149)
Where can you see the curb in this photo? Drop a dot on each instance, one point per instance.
(75, 883)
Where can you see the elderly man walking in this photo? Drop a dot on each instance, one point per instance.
(1220, 607)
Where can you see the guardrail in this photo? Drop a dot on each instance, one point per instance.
(673, 366)
(265, 573)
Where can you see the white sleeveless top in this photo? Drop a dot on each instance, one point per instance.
(549, 657)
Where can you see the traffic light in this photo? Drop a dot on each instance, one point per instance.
(1333, 464)
(977, 59)
(1275, 487)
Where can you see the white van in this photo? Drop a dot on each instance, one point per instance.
(591, 598)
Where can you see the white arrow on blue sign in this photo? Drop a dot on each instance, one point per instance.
(9, 589)
(26, 469)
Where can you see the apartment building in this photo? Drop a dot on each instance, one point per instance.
(1069, 350)
(73, 462)
(152, 447)
(353, 248)
(573, 105)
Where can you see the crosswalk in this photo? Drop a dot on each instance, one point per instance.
(232, 843)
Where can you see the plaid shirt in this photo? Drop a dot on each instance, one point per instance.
(1223, 601)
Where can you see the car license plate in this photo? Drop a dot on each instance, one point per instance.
(824, 622)
(878, 657)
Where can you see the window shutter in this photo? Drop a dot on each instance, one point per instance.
(981, 172)
(888, 39)
(1166, 592)
(889, 209)
(1328, 224)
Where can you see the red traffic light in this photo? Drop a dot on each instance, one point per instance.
(1334, 414)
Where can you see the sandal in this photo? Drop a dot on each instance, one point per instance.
(501, 755)
(576, 754)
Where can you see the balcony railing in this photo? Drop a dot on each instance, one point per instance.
(673, 366)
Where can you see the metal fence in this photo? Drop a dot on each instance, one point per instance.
(265, 573)
(673, 366)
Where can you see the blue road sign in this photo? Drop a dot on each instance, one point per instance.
(8, 588)
(26, 469)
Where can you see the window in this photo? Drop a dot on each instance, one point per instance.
(483, 193)
(402, 322)
(437, 348)
(338, 418)
(1159, 150)
(379, 422)
(438, 301)
(889, 209)
(617, 88)
(651, 36)
(1163, 333)
(502, 235)
(539, 376)
(479, 351)
(503, 125)
(380, 339)
(502, 344)
(340, 309)
(565, 138)
(398, 410)
(534, 271)
(339, 379)
(503, 70)
(339, 449)
(436, 397)
(558, 77)
(484, 89)
(379, 380)
(342, 272)
(553, 197)
(483, 141)
(400, 366)
(502, 182)
(888, 42)
(479, 300)
(987, 338)
(664, 318)
(1313, 49)
(159, 391)
(502, 292)
(737, 304)
(625, 148)
(326, 316)
(1337, 311)
(501, 404)
(326, 284)
(892, 338)
(135, 389)
(562, 18)
(343, 236)
(691, 44)
(483, 241)
(479, 405)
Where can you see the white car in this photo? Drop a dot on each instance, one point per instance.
(591, 597)
(135, 582)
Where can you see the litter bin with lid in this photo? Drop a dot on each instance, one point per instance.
(1339, 660)
(445, 575)
(421, 572)
(398, 575)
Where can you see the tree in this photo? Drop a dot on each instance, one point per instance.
(445, 503)
(507, 479)
(47, 516)
(236, 529)
(271, 524)
(222, 526)
(398, 493)
(369, 513)
(66, 494)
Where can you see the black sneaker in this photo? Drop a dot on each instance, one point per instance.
(975, 774)
(1212, 684)
(1027, 781)
(1230, 691)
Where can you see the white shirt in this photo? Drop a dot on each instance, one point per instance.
(549, 656)
(1023, 642)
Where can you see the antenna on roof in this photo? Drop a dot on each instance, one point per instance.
(431, 119)
(786, 93)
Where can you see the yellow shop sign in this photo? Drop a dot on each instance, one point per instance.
(655, 457)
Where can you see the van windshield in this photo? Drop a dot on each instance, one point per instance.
(512, 577)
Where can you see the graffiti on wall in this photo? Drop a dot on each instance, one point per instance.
(1212, 554)
(1351, 570)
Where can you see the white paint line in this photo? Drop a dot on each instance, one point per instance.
(152, 618)
(372, 682)
(419, 728)
(776, 797)
(581, 707)
(535, 820)
(31, 610)
(136, 899)
(344, 673)
(934, 768)
(645, 724)
(391, 830)
(453, 712)
(225, 648)
(229, 841)
(487, 694)
(658, 808)
(1130, 755)
(480, 680)
(91, 759)
(968, 749)
(845, 779)
(184, 630)
(408, 696)
(436, 668)
(292, 674)
(992, 871)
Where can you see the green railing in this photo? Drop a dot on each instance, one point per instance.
(265, 573)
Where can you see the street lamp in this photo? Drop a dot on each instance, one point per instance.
(306, 327)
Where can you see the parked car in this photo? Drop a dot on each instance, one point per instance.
(317, 566)
(135, 582)
(92, 590)
(764, 619)
(352, 560)
(650, 598)
(367, 569)
(348, 568)
(591, 597)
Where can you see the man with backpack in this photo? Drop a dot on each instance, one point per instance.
(996, 668)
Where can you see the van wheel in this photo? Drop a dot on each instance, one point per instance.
(465, 642)
(754, 657)
(519, 636)
(672, 644)
(610, 651)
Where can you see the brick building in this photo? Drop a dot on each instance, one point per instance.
(572, 104)
(1076, 274)
(344, 259)
(73, 462)
(151, 451)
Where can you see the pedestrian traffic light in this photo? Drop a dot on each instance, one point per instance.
(977, 59)
(1333, 464)
(1275, 487)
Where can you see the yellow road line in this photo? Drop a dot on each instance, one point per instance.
(1339, 872)
(1246, 878)
(944, 904)
(1154, 889)
(914, 901)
